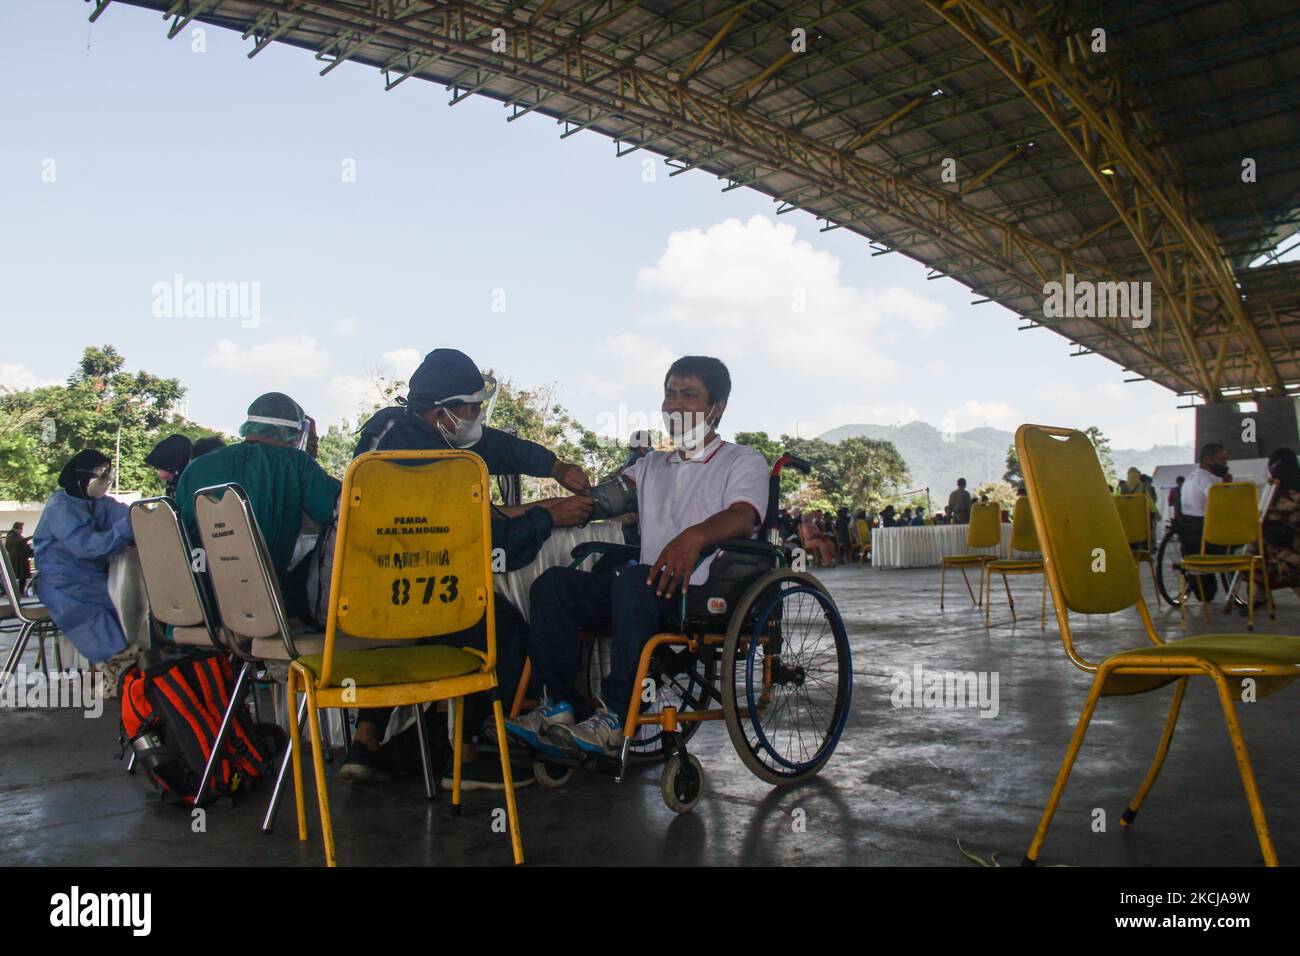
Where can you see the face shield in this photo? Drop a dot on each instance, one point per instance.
(467, 432)
(100, 481)
(299, 428)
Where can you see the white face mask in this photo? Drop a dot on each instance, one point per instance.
(688, 439)
(98, 486)
(466, 433)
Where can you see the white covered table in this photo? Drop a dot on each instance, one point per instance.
(926, 546)
(516, 584)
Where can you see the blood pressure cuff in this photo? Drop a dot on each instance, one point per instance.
(613, 498)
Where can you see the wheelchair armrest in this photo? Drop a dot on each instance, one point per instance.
(619, 552)
(747, 546)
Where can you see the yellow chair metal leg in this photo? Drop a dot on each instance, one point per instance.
(1063, 775)
(1011, 603)
(295, 742)
(458, 754)
(1243, 766)
(322, 794)
(516, 840)
(1182, 602)
(1043, 620)
(973, 599)
(984, 593)
(943, 568)
(1268, 589)
(1250, 591)
(1161, 751)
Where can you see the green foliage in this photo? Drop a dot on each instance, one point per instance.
(999, 492)
(1102, 444)
(1012, 475)
(854, 473)
(101, 404)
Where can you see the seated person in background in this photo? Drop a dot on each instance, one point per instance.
(918, 519)
(704, 492)
(1281, 527)
(842, 524)
(906, 520)
(814, 539)
(81, 528)
(169, 458)
(205, 445)
(887, 519)
(281, 480)
(446, 406)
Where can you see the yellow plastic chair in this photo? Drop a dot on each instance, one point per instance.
(864, 539)
(1023, 538)
(1091, 571)
(1135, 514)
(1231, 520)
(413, 560)
(984, 531)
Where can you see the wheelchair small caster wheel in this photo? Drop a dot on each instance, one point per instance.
(682, 784)
(549, 775)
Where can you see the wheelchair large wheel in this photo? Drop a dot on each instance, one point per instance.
(1169, 566)
(787, 677)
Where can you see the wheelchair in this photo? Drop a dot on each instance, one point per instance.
(760, 646)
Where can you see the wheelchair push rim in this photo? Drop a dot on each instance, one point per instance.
(787, 677)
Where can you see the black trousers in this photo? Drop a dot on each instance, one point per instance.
(512, 641)
(1190, 531)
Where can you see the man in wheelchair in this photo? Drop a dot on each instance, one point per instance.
(703, 492)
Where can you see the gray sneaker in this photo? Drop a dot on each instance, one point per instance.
(601, 733)
(548, 724)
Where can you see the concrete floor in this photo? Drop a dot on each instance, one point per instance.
(904, 786)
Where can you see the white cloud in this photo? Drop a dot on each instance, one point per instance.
(974, 414)
(18, 377)
(753, 291)
(296, 356)
(402, 363)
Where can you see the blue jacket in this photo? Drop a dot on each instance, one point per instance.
(74, 541)
(522, 537)
(503, 453)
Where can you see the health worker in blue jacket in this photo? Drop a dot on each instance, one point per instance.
(80, 530)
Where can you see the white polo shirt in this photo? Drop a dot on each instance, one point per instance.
(673, 493)
(1195, 491)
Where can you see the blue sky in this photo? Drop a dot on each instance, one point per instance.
(168, 161)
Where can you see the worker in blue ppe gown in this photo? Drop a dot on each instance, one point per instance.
(80, 530)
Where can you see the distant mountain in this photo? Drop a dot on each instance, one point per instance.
(978, 455)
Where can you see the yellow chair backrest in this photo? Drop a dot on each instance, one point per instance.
(864, 532)
(1232, 514)
(1085, 549)
(1023, 535)
(413, 557)
(985, 528)
(1134, 514)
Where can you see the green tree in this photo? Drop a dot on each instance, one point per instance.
(1102, 445)
(1012, 475)
(101, 406)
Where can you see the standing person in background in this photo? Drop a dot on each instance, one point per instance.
(1132, 483)
(169, 458)
(19, 550)
(959, 503)
(1176, 499)
(1212, 468)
